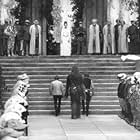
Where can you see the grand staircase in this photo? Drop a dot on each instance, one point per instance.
(102, 69)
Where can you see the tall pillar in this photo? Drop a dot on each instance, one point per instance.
(95, 9)
(44, 30)
(36, 5)
(108, 10)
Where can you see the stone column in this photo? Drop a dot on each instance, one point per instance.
(108, 10)
(44, 30)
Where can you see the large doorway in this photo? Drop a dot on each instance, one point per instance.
(95, 9)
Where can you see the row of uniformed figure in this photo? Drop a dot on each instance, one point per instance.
(17, 39)
(120, 38)
(129, 98)
(13, 121)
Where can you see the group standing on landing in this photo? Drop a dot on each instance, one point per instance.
(17, 39)
(118, 39)
(20, 40)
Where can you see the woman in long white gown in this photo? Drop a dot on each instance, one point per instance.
(65, 48)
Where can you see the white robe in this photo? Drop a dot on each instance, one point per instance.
(122, 42)
(32, 40)
(105, 35)
(92, 35)
(65, 47)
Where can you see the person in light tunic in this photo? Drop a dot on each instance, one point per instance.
(65, 47)
(109, 41)
(122, 41)
(94, 38)
(35, 41)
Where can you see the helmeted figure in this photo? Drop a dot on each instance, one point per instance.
(134, 99)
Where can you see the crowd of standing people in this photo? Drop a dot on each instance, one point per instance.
(25, 39)
(111, 39)
(18, 39)
(129, 98)
(118, 39)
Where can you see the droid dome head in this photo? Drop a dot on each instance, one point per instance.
(20, 88)
(23, 77)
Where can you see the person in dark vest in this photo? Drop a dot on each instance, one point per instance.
(26, 37)
(134, 100)
(89, 92)
(5, 40)
(81, 39)
(74, 87)
(128, 112)
(116, 28)
(19, 39)
(133, 36)
(57, 90)
(1, 40)
(122, 77)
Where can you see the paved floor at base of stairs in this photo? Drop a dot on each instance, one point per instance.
(96, 127)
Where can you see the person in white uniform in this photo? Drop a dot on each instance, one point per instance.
(65, 47)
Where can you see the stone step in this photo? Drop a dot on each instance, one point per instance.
(115, 80)
(63, 76)
(73, 57)
(97, 90)
(66, 102)
(102, 69)
(46, 94)
(68, 112)
(47, 85)
(66, 72)
(66, 107)
(49, 98)
(93, 98)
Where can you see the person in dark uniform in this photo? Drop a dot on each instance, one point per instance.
(116, 35)
(19, 39)
(128, 112)
(121, 86)
(81, 39)
(133, 36)
(26, 37)
(1, 39)
(5, 40)
(89, 92)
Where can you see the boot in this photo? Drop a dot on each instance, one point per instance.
(12, 52)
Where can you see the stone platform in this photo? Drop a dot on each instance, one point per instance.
(95, 127)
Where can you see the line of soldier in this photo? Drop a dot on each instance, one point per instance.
(129, 98)
(13, 122)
